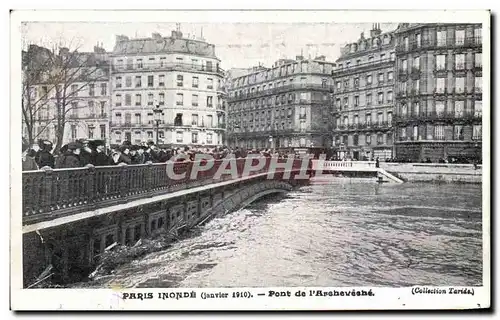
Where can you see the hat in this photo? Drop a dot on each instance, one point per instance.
(123, 148)
(150, 143)
(73, 146)
(134, 147)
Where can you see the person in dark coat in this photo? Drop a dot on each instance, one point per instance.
(136, 157)
(86, 153)
(118, 157)
(28, 162)
(44, 157)
(100, 157)
(71, 157)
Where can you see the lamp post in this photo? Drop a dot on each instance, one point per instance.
(158, 114)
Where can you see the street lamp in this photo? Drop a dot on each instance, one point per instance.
(158, 113)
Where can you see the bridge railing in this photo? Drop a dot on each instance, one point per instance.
(344, 165)
(69, 191)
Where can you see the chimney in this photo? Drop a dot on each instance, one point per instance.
(121, 38)
(375, 31)
(156, 36)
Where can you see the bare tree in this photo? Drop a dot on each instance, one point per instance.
(63, 75)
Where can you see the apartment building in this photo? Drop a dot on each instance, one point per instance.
(178, 77)
(439, 91)
(285, 106)
(364, 97)
(71, 89)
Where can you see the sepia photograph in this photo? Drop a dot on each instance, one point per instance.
(197, 153)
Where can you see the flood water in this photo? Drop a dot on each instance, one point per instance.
(341, 234)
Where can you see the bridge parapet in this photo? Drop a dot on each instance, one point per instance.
(62, 192)
(344, 165)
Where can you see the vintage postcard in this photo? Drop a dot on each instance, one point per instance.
(250, 160)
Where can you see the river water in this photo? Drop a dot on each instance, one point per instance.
(342, 234)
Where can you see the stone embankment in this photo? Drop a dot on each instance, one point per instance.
(435, 172)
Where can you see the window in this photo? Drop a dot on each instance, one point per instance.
(337, 84)
(209, 138)
(210, 121)
(478, 84)
(103, 109)
(358, 62)
(403, 133)
(128, 100)
(404, 88)
(138, 98)
(355, 140)
(368, 139)
(441, 38)
(441, 62)
(369, 79)
(390, 76)
(195, 82)
(118, 81)
(380, 117)
(346, 101)
(210, 83)
(406, 43)
(118, 100)
(119, 63)
(382, 57)
(440, 85)
(439, 132)
(416, 63)
(459, 85)
(460, 61)
(380, 138)
(356, 101)
(404, 109)
(416, 108)
(418, 39)
(194, 100)
(356, 83)
(439, 108)
(478, 108)
(380, 77)
(139, 63)
(404, 64)
(337, 103)
(459, 37)
(302, 125)
(389, 118)
(194, 119)
(393, 56)
(150, 81)
(346, 121)
(162, 61)
(368, 119)
(370, 59)
(179, 99)
(91, 89)
(368, 99)
(478, 60)
(478, 35)
(138, 82)
(118, 117)
(459, 109)
(210, 102)
(380, 97)
(477, 132)
(346, 83)
(161, 98)
(415, 132)
(150, 99)
(458, 132)
(180, 80)
(102, 131)
(137, 118)
(389, 96)
(356, 119)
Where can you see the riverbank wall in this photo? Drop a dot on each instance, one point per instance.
(435, 172)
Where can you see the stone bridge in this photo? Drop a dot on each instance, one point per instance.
(70, 216)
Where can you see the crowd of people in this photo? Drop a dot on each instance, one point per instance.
(83, 152)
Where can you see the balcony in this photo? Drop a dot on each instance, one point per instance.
(171, 67)
(282, 89)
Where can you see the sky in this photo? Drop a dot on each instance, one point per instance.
(238, 45)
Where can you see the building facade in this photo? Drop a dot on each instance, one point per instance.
(439, 91)
(283, 107)
(364, 97)
(180, 77)
(71, 90)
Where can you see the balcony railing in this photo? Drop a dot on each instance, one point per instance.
(431, 43)
(169, 66)
(290, 87)
(445, 116)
